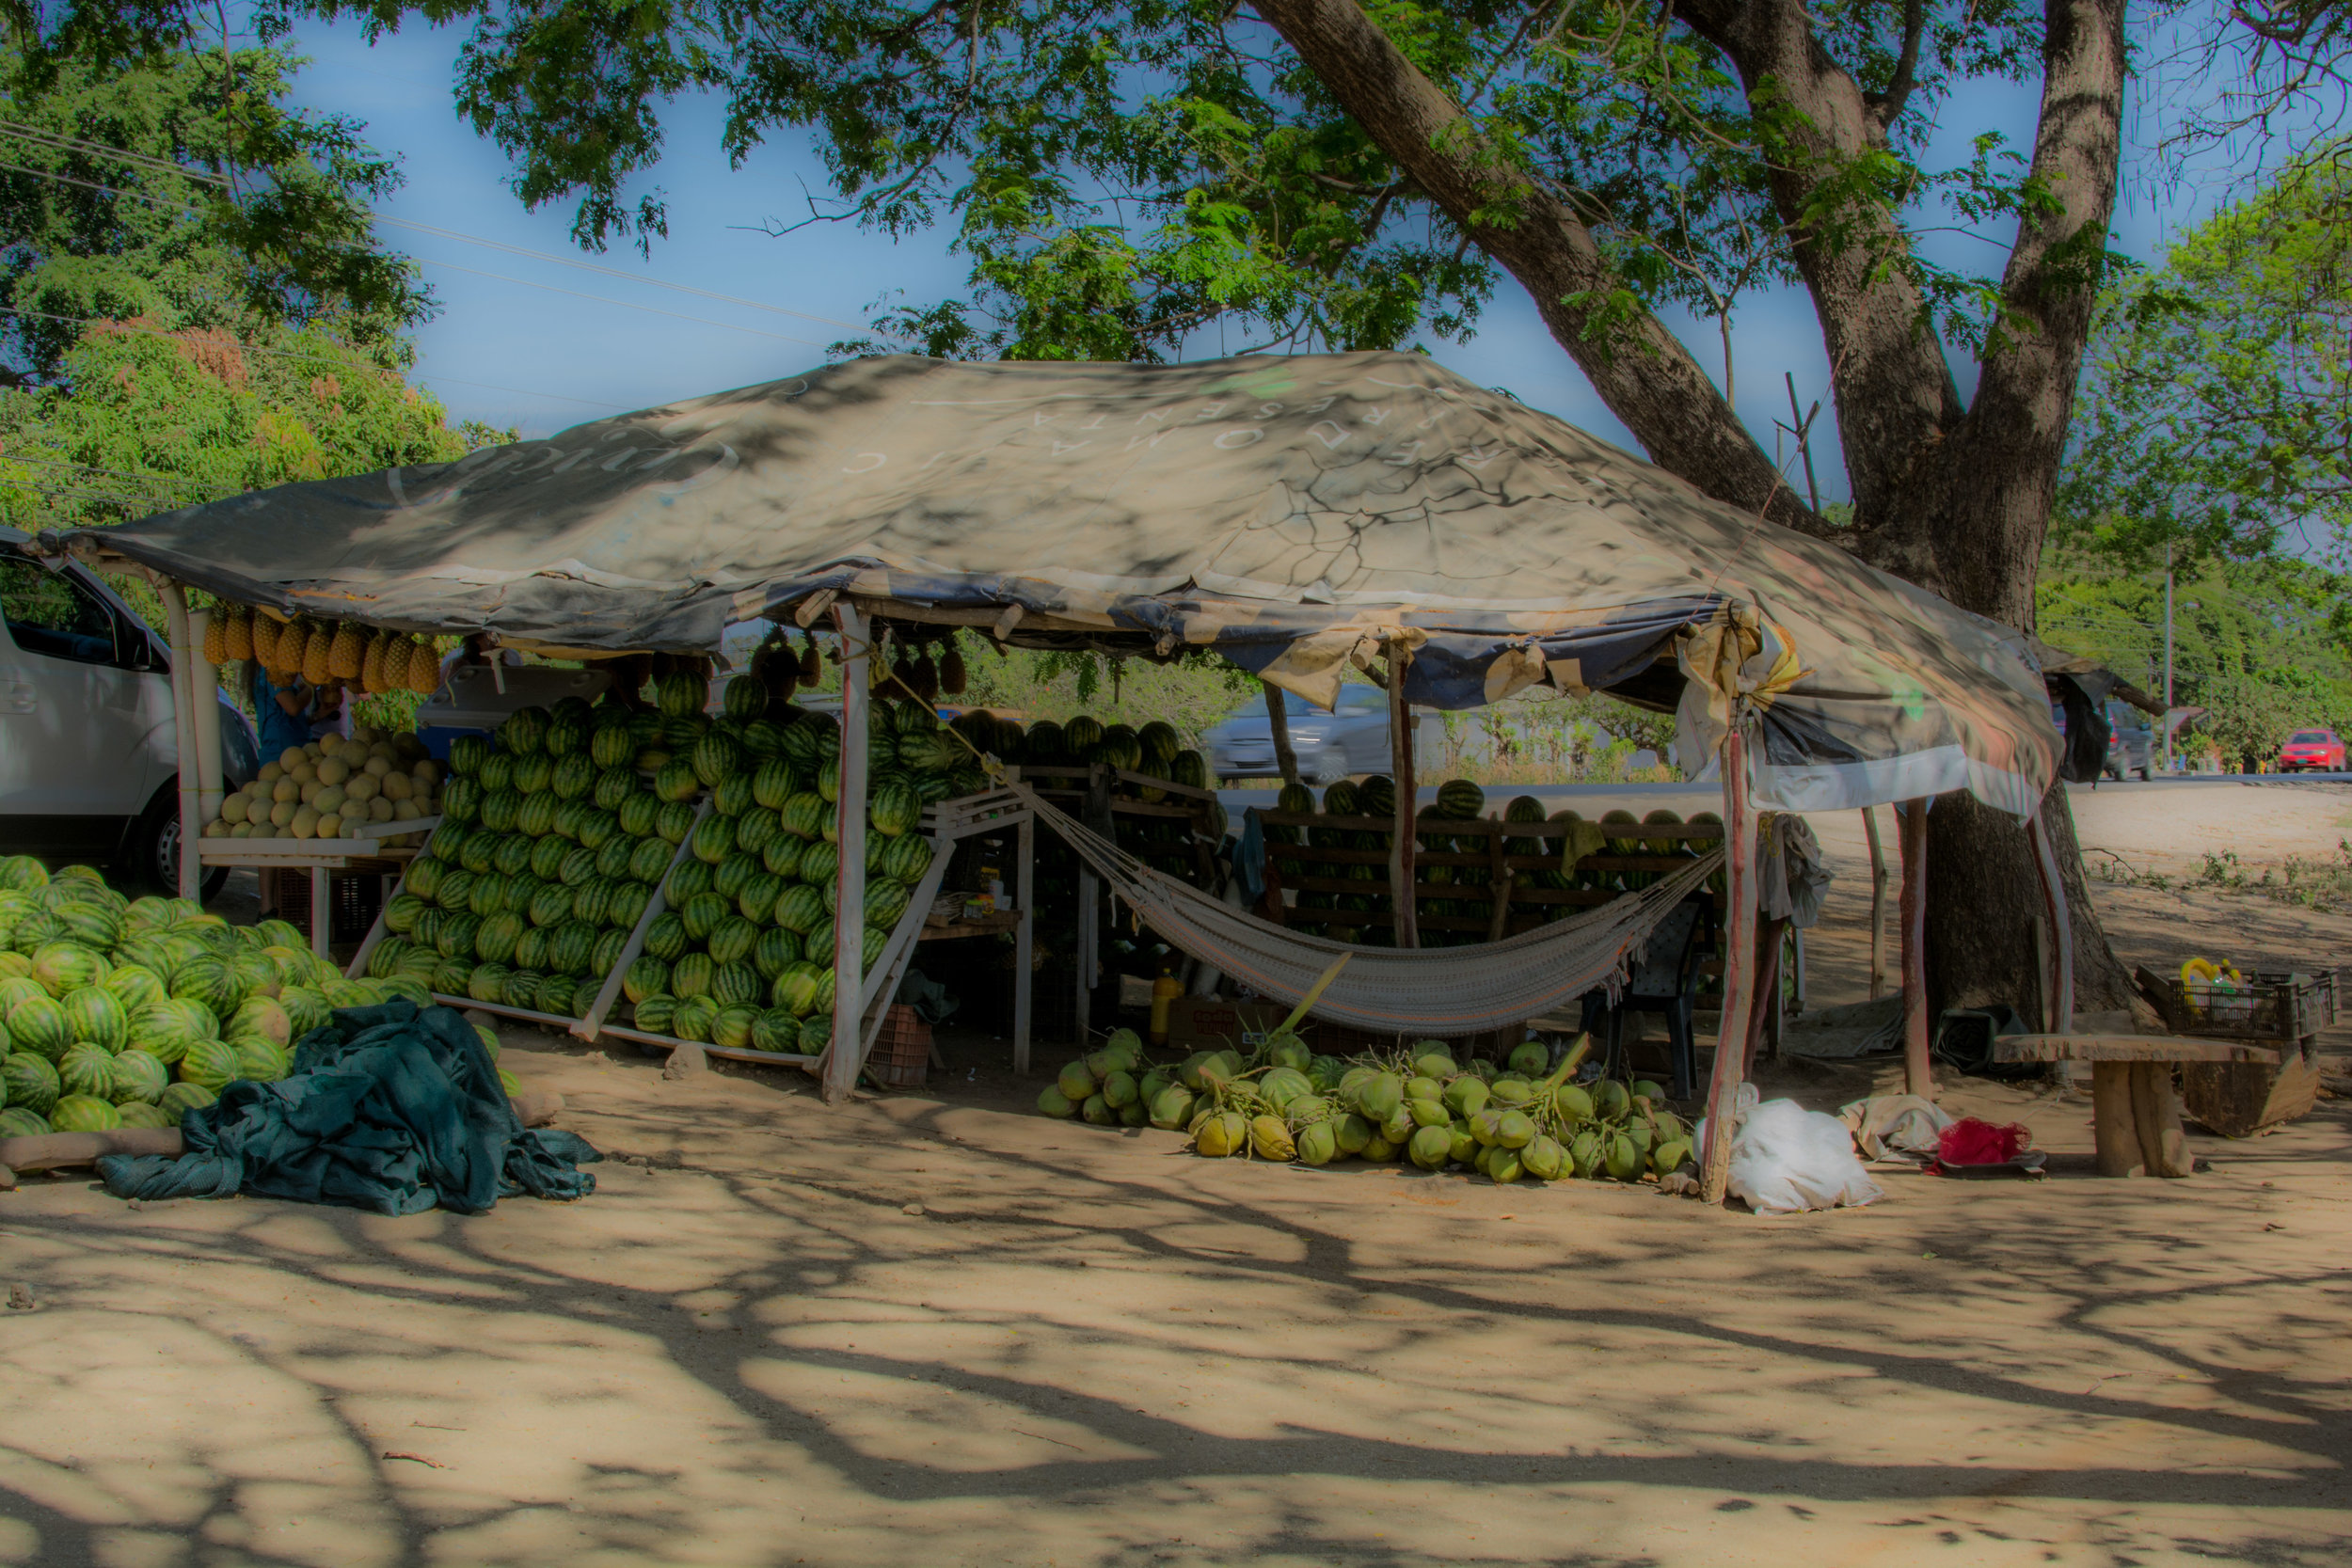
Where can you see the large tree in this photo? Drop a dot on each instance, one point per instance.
(1352, 173)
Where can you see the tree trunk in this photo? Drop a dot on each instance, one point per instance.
(1983, 892)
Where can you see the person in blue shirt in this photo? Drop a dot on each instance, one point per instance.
(281, 714)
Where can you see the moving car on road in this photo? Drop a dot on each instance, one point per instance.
(2311, 752)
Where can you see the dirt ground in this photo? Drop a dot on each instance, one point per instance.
(933, 1328)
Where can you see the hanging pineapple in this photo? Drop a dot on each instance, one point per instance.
(371, 663)
(924, 677)
(265, 630)
(345, 653)
(951, 675)
(217, 635)
(424, 667)
(241, 631)
(318, 654)
(812, 667)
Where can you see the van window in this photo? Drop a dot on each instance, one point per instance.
(50, 612)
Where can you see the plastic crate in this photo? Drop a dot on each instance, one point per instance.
(354, 900)
(2273, 1004)
(902, 1053)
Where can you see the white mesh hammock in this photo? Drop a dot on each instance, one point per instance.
(1442, 990)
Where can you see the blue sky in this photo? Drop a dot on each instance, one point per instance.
(511, 350)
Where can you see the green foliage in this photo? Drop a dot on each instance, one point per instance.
(1192, 692)
(2265, 647)
(234, 221)
(2217, 410)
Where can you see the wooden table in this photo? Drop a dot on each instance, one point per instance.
(2135, 1112)
(364, 851)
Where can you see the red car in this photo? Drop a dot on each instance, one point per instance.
(2311, 752)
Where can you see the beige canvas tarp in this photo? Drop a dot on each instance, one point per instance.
(1281, 510)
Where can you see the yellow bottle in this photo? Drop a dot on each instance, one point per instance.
(1163, 990)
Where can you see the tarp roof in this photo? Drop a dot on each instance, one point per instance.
(1276, 509)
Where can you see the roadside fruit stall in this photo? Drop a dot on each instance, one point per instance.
(1304, 518)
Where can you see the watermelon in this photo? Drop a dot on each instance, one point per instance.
(92, 926)
(487, 983)
(776, 1031)
(135, 1075)
(96, 1016)
(829, 780)
(524, 730)
(455, 936)
(692, 976)
(569, 814)
(613, 856)
(758, 828)
(37, 1025)
(614, 788)
(500, 810)
(556, 992)
(733, 938)
(894, 809)
(693, 1017)
(732, 795)
(800, 909)
(139, 1112)
(703, 913)
(679, 694)
(567, 736)
(467, 753)
(578, 868)
(262, 1061)
(62, 966)
(774, 951)
(655, 1013)
(773, 782)
(87, 1069)
(820, 863)
(794, 988)
(536, 819)
(612, 745)
(665, 938)
(21, 987)
(20, 872)
(165, 1029)
(815, 1033)
(735, 982)
(1460, 801)
(183, 1097)
(590, 900)
(782, 857)
(487, 896)
(20, 1121)
(758, 901)
(571, 948)
(906, 858)
(804, 814)
(261, 1015)
(649, 860)
(885, 901)
(677, 783)
(551, 905)
(597, 829)
(30, 1081)
(713, 839)
(674, 820)
(532, 773)
(531, 948)
(494, 941)
(638, 812)
(454, 889)
(607, 952)
(521, 990)
(743, 698)
(731, 1026)
(801, 744)
(728, 878)
(647, 976)
(627, 906)
(687, 879)
(84, 1112)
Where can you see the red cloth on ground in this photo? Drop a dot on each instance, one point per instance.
(1973, 1142)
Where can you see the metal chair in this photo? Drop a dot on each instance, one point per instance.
(1666, 981)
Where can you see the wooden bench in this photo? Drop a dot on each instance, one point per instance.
(2135, 1110)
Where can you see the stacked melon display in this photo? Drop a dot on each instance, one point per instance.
(115, 1013)
(332, 785)
(1507, 1121)
(743, 955)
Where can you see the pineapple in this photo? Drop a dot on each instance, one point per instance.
(265, 630)
(424, 667)
(217, 635)
(345, 653)
(372, 663)
(316, 667)
(241, 631)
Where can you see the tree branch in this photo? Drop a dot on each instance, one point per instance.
(1641, 370)
(1886, 108)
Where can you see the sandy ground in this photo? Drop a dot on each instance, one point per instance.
(934, 1329)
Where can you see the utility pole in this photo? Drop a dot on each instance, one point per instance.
(2167, 659)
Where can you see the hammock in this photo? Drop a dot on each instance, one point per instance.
(1441, 992)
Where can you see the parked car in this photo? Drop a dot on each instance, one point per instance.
(89, 754)
(2131, 742)
(1353, 739)
(2311, 752)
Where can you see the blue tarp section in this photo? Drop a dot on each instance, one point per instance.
(392, 1108)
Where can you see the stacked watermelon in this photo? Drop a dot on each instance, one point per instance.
(115, 1013)
(742, 956)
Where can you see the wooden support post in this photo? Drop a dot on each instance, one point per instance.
(184, 656)
(1023, 939)
(849, 927)
(1764, 1013)
(2113, 1125)
(1089, 919)
(1723, 1089)
(1403, 846)
(1878, 902)
(2058, 978)
(2157, 1115)
(322, 911)
(1279, 725)
(1912, 835)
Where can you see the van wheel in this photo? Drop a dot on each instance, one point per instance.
(152, 859)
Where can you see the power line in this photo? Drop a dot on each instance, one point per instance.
(64, 143)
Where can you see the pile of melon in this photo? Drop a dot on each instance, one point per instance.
(126, 1013)
(1514, 1121)
(326, 788)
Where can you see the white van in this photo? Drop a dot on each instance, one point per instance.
(89, 754)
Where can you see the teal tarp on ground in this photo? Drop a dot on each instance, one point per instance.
(393, 1108)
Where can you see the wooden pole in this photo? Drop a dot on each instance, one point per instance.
(2114, 1128)
(183, 656)
(848, 922)
(1911, 819)
(1403, 846)
(1278, 718)
(1878, 902)
(2058, 981)
(1731, 1035)
(1764, 1021)
(1023, 939)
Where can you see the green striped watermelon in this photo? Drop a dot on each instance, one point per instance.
(732, 795)
(569, 816)
(777, 1031)
(675, 820)
(578, 868)
(819, 863)
(467, 753)
(639, 814)
(573, 777)
(758, 900)
(135, 1075)
(551, 905)
(400, 913)
(756, 829)
(1460, 801)
(93, 926)
(679, 694)
(806, 815)
(906, 858)
(211, 1063)
(84, 1112)
(731, 1026)
(885, 901)
(612, 745)
(677, 783)
(665, 938)
(713, 838)
(627, 903)
(182, 1097)
(17, 1121)
(456, 890)
(37, 1025)
(598, 829)
(538, 816)
(894, 809)
(261, 1015)
(815, 1033)
(520, 989)
(731, 938)
(692, 976)
(743, 698)
(481, 851)
(732, 873)
(66, 965)
(500, 810)
(703, 914)
(653, 1015)
(607, 952)
(30, 1081)
(649, 860)
(775, 950)
(95, 1015)
(647, 976)
(782, 857)
(693, 1017)
(487, 896)
(616, 787)
(262, 1061)
(532, 773)
(546, 857)
(557, 994)
(773, 783)
(572, 948)
(687, 879)
(524, 730)
(488, 982)
(531, 948)
(794, 990)
(800, 907)
(736, 982)
(612, 857)
(494, 941)
(716, 756)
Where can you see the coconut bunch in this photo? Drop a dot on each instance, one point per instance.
(1507, 1121)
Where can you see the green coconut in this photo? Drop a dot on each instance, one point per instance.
(1431, 1147)
(1318, 1143)
(1531, 1059)
(1269, 1139)
(1542, 1159)
(1466, 1096)
(1076, 1084)
(1053, 1102)
(1099, 1111)
(1352, 1133)
(1515, 1129)
(1171, 1107)
(1621, 1159)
